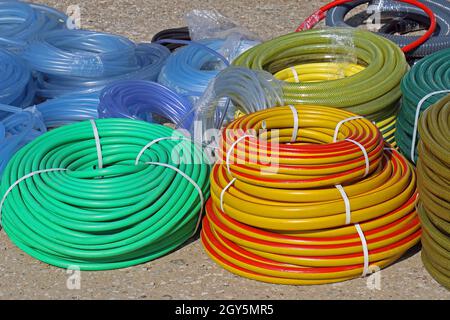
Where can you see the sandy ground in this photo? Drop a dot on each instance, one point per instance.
(188, 273)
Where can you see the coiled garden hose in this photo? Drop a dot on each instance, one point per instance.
(439, 40)
(373, 92)
(82, 61)
(68, 109)
(426, 83)
(320, 14)
(16, 84)
(181, 33)
(144, 99)
(278, 211)
(16, 130)
(433, 182)
(104, 203)
(23, 21)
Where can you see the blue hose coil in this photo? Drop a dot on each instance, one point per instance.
(22, 21)
(82, 61)
(142, 100)
(17, 87)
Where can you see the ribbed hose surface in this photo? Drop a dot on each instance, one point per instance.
(441, 9)
(433, 179)
(373, 92)
(276, 215)
(431, 74)
(103, 218)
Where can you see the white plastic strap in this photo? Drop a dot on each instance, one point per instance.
(234, 146)
(148, 145)
(295, 130)
(97, 144)
(340, 123)
(366, 156)
(184, 175)
(22, 179)
(225, 190)
(294, 72)
(365, 249)
(348, 212)
(416, 121)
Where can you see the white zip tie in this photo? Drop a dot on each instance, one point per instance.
(366, 156)
(295, 130)
(232, 148)
(416, 121)
(29, 175)
(223, 192)
(184, 175)
(348, 211)
(294, 72)
(148, 145)
(365, 249)
(340, 123)
(97, 143)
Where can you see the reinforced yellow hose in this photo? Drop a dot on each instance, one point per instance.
(373, 92)
(433, 178)
(277, 211)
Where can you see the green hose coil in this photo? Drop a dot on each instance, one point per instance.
(104, 217)
(433, 180)
(373, 92)
(431, 74)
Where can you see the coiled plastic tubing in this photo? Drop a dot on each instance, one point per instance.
(16, 84)
(433, 180)
(308, 195)
(82, 61)
(23, 21)
(373, 92)
(129, 196)
(426, 83)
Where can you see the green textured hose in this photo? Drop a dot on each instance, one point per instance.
(373, 92)
(431, 74)
(104, 217)
(433, 177)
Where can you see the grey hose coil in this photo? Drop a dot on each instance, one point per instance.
(405, 14)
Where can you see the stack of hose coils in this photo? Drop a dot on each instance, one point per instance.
(81, 61)
(290, 206)
(17, 87)
(427, 82)
(405, 18)
(144, 100)
(16, 130)
(181, 33)
(373, 92)
(104, 194)
(433, 181)
(23, 21)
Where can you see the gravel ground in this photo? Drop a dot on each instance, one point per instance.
(188, 273)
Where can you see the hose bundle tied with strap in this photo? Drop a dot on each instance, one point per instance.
(373, 92)
(403, 19)
(308, 195)
(433, 181)
(82, 61)
(426, 83)
(104, 194)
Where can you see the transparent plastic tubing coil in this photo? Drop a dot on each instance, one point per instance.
(16, 83)
(402, 12)
(22, 21)
(141, 99)
(373, 92)
(429, 75)
(81, 61)
(16, 130)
